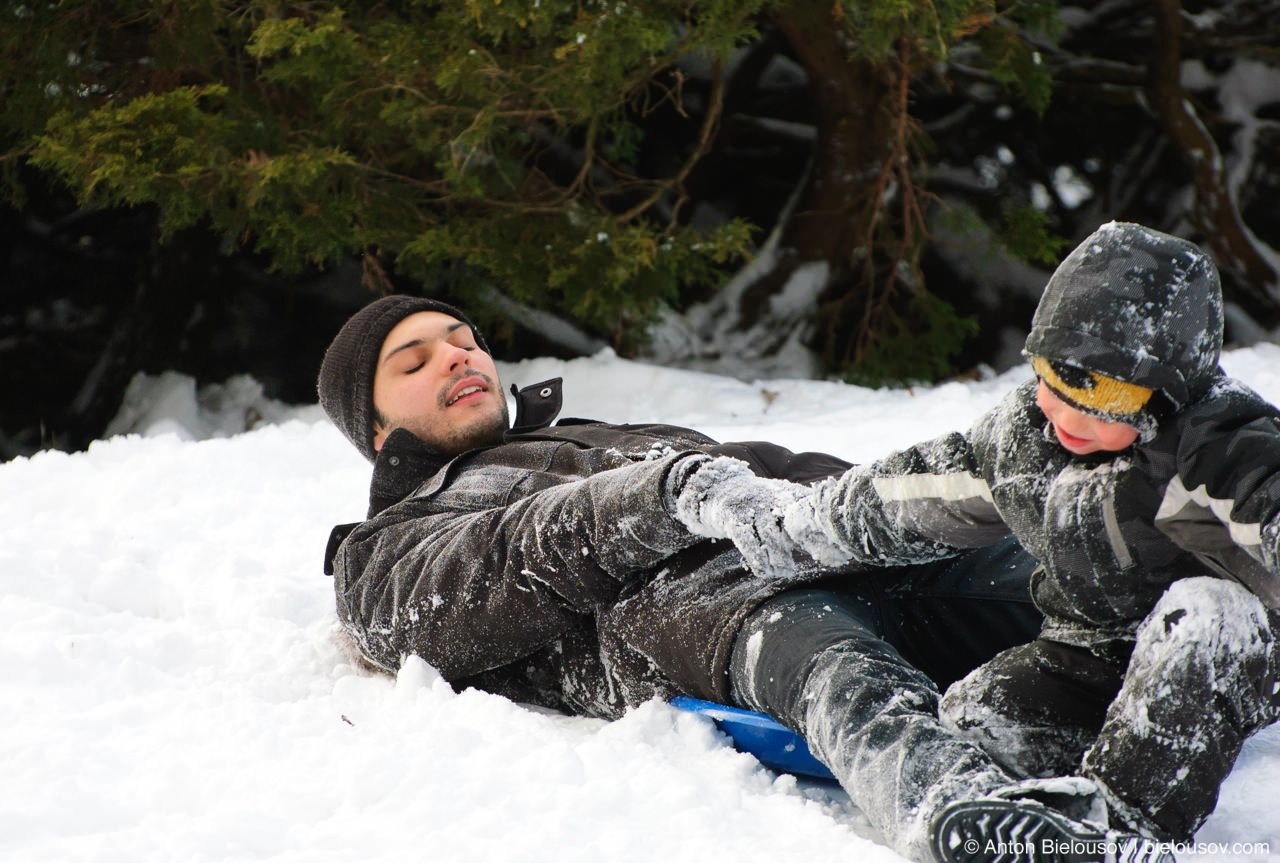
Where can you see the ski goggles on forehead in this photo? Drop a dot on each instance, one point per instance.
(1090, 391)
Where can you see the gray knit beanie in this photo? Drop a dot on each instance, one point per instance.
(345, 384)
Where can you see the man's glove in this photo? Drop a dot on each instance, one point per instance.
(721, 498)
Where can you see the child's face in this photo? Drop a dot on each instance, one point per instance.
(1080, 433)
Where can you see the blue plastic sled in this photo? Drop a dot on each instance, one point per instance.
(774, 745)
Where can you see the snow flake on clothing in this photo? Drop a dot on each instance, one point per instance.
(659, 450)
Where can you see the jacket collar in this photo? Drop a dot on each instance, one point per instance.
(406, 461)
(537, 406)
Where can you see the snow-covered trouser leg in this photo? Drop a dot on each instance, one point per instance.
(810, 659)
(1036, 707)
(1201, 680)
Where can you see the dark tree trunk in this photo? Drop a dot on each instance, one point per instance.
(1215, 212)
(855, 128)
(838, 219)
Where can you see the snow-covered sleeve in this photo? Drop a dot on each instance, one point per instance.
(471, 591)
(919, 504)
(1225, 496)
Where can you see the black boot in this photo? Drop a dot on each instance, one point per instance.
(1026, 831)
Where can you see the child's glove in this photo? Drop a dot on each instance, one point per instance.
(807, 522)
(721, 498)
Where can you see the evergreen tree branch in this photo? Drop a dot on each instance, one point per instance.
(705, 135)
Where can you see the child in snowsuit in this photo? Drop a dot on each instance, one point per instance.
(1147, 483)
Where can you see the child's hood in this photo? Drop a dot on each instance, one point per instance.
(1137, 305)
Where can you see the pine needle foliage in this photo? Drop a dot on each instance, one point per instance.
(475, 144)
(474, 141)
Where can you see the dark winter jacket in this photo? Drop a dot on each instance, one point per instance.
(1198, 495)
(1111, 533)
(549, 568)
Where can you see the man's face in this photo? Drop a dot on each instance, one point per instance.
(433, 380)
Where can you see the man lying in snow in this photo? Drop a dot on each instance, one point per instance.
(1147, 484)
(558, 565)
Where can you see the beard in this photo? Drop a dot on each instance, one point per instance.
(487, 432)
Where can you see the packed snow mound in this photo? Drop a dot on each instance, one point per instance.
(172, 687)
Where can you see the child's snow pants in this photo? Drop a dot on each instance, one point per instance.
(1157, 721)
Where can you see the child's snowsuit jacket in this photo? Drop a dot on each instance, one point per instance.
(1112, 533)
(1198, 494)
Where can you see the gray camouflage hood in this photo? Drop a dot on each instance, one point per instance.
(1137, 305)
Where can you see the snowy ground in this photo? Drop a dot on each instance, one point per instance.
(170, 689)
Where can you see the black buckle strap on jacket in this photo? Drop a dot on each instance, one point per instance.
(336, 536)
(537, 405)
(404, 461)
